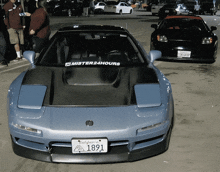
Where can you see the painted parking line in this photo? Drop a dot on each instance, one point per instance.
(14, 63)
(7, 70)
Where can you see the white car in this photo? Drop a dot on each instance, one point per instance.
(182, 9)
(117, 7)
(99, 7)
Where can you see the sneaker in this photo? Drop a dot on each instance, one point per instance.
(18, 58)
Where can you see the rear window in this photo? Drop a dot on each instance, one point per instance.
(91, 49)
(183, 23)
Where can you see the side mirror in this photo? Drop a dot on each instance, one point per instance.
(213, 28)
(154, 55)
(30, 56)
(154, 26)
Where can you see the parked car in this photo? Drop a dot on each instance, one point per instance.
(185, 38)
(67, 8)
(192, 7)
(99, 7)
(173, 9)
(156, 6)
(118, 7)
(92, 96)
(209, 6)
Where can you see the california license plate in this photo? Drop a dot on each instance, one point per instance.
(89, 145)
(181, 54)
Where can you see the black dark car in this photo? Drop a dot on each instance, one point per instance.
(66, 8)
(208, 6)
(173, 9)
(185, 38)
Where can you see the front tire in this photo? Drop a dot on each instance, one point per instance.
(120, 12)
(131, 11)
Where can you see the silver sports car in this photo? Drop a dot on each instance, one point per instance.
(92, 96)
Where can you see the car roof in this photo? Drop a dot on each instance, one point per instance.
(91, 28)
(184, 17)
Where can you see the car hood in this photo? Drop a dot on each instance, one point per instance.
(92, 86)
(103, 118)
(185, 35)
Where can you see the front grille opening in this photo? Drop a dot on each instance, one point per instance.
(118, 143)
(60, 144)
(31, 144)
(149, 140)
(27, 141)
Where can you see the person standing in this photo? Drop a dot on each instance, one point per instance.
(78, 5)
(86, 5)
(3, 44)
(14, 25)
(2, 49)
(40, 26)
(91, 7)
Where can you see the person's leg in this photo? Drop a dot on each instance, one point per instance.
(17, 49)
(14, 39)
(21, 41)
(2, 47)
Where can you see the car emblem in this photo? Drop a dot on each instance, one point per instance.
(89, 123)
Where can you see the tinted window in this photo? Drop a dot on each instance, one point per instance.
(91, 49)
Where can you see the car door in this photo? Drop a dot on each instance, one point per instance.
(101, 5)
(122, 7)
(127, 9)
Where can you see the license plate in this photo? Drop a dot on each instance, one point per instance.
(167, 11)
(182, 54)
(89, 145)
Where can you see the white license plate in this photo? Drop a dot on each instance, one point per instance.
(167, 11)
(181, 54)
(89, 145)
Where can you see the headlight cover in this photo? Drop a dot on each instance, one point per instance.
(207, 40)
(162, 38)
(150, 127)
(21, 127)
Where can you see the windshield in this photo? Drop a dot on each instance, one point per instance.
(183, 23)
(91, 49)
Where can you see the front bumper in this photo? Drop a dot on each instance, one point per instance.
(191, 60)
(115, 154)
